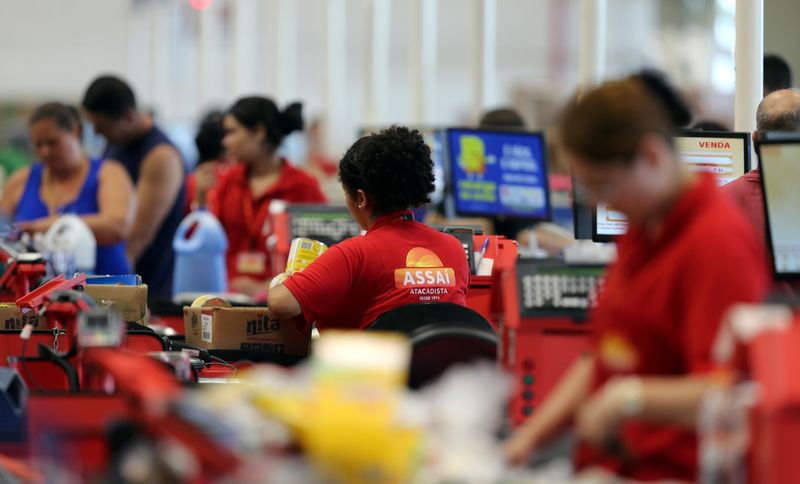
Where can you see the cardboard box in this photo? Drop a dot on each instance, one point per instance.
(12, 318)
(243, 329)
(129, 301)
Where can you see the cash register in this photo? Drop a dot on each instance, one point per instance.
(544, 326)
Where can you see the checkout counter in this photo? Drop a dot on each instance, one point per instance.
(103, 398)
(76, 387)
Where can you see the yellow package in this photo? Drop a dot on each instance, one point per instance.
(355, 432)
(302, 253)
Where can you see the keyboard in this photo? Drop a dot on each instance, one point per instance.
(552, 286)
(329, 225)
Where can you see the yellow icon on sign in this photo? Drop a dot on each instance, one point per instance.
(473, 155)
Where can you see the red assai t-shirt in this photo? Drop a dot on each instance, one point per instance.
(398, 262)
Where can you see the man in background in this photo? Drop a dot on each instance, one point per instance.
(157, 170)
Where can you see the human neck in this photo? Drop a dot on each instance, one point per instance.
(369, 220)
(265, 164)
(141, 125)
(67, 172)
(655, 226)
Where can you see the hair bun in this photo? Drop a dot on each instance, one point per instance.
(676, 107)
(292, 118)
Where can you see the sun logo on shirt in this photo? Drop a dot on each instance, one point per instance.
(617, 353)
(424, 269)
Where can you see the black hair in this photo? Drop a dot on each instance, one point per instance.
(110, 96)
(393, 167)
(658, 86)
(66, 117)
(255, 111)
(502, 118)
(209, 137)
(777, 74)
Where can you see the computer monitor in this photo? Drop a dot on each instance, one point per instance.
(582, 213)
(498, 173)
(433, 138)
(726, 155)
(328, 224)
(780, 177)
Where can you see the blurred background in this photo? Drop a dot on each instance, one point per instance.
(359, 63)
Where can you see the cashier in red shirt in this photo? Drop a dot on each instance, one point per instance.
(688, 256)
(398, 261)
(254, 129)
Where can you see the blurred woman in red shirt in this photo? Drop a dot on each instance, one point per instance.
(688, 256)
(254, 130)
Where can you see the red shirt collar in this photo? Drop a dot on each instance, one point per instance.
(679, 216)
(406, 215)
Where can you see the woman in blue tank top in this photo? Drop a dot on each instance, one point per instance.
(65, 181)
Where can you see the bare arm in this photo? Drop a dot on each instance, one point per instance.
(556, 411)
(674, 400)
(281, 303)
(116, 202)
(160, 179)
(12, 191)
(205, 178)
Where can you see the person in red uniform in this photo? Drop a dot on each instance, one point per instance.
(688, 256)
(254, 129)
(398, 261)
(779, 111)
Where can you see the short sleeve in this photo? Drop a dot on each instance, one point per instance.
(323, 287)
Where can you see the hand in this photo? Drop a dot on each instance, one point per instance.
(38, 225)
(519, 447)
(205, 177)
(597, 419)
(248, 285)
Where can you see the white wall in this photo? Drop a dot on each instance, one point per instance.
(52, 48)
(183, 62)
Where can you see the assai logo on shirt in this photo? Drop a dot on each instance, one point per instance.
(424, 269)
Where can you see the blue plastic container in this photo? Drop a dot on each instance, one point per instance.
(200, 245)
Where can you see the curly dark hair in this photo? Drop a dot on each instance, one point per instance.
(393, 167)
